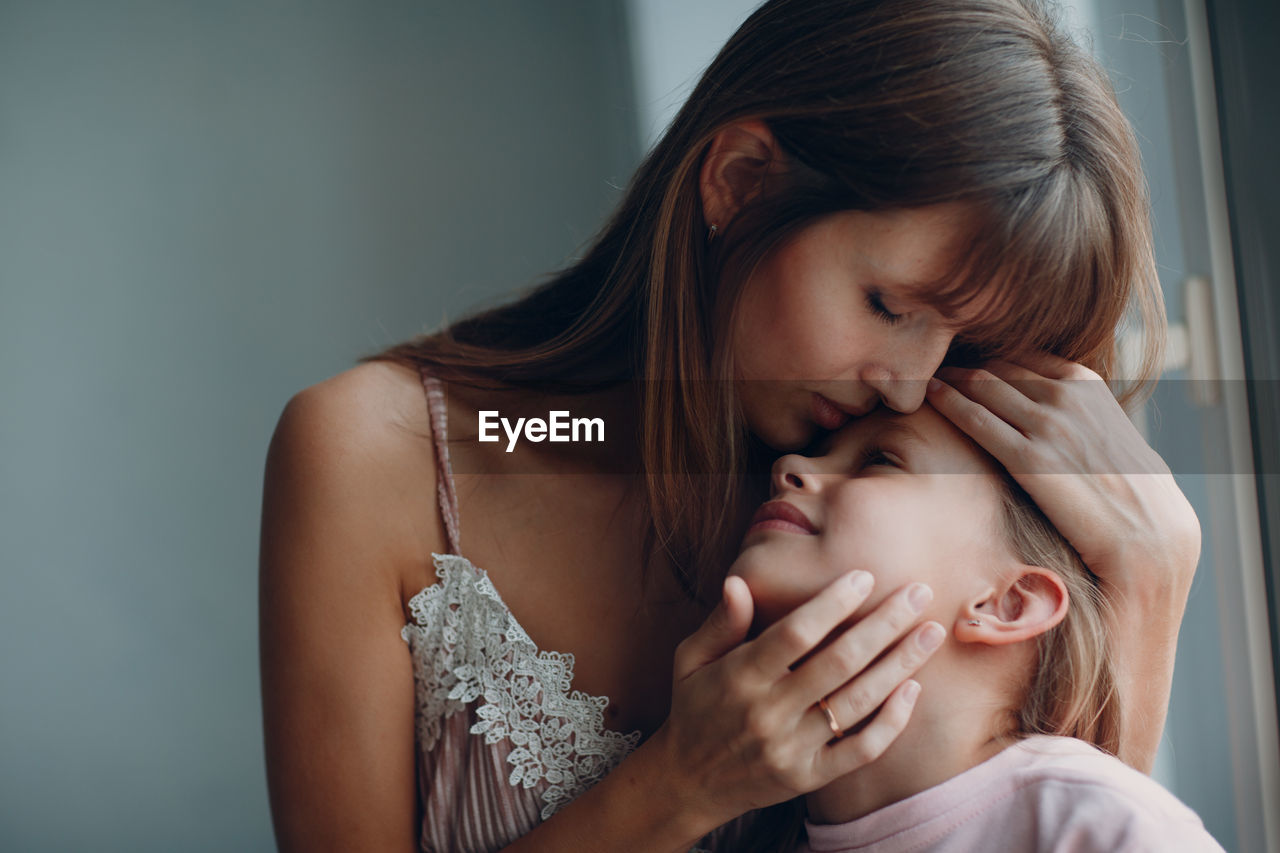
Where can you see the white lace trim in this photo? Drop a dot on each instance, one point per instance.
(468, 647)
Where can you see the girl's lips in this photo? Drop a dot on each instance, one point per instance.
(826, 414)
(780, 515)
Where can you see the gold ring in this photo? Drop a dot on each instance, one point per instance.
(831, 718)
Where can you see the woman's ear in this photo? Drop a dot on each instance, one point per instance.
(734, 169)
(1031, 601)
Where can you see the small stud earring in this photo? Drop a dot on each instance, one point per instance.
(975, 622)
(711, 232)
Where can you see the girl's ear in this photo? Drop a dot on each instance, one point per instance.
(734, 169)
(1031, 601)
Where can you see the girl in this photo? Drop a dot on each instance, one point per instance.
(1005, 749)
(854, 192)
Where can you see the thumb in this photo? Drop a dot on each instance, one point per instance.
(725, 628)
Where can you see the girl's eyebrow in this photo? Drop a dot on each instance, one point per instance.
(900, 429)
(895, 428)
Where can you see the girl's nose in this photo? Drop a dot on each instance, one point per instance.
(795, 473)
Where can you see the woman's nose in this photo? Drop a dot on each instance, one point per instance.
(900, 394)
(794, 473)
(902, 384)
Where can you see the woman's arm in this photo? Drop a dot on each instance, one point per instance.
(1060, 432)
(337, 681)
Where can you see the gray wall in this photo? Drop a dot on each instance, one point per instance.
(204, 207)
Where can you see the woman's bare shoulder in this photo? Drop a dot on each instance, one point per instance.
(375, 401)
(348, 514)
(356, 449)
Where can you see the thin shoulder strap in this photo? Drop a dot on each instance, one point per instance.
(444, 471)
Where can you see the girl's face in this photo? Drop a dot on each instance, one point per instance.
(827, 328)
(904, 497)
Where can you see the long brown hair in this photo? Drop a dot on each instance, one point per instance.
(875, 104)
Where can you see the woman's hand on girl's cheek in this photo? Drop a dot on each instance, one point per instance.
(745, 730)
(1117, 504)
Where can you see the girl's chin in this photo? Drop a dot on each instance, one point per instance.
(769, 612)
(770, 607)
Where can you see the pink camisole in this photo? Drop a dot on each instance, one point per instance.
(504, 740)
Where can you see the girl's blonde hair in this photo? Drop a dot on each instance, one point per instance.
(1072, 691)
(875, 104)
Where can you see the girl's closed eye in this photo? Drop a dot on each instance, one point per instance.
(876, 456)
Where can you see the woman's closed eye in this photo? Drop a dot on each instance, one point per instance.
(877, 307)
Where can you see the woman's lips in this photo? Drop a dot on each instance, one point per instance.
(780, 515)
(826, 414)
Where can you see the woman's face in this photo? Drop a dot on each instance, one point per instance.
(827, 328)
(904, 497)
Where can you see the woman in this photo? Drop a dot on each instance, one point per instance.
(854, 193)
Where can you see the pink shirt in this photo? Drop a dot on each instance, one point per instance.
(1041, 794)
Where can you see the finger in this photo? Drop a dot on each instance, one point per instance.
(1033, 385)
(854, 650)
(796, 634)
(993, 433)
(858, 750)
(859, 699)
(998, 396)
(725, 628)
(1047, 364)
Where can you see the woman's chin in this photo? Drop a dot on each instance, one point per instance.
(795, 437)
(782, 430)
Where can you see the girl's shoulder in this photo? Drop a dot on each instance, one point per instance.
(1043, 793)
(1095, 795)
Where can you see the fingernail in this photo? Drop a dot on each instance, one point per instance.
(931, 637)
(861, 582)
(910, 692)
(934, 385)
(919, 597)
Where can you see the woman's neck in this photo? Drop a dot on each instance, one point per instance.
(956, 725)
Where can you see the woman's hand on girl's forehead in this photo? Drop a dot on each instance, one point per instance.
(1060, 432)
(1046, 417)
